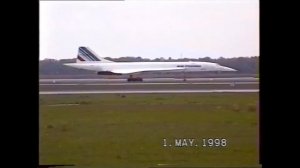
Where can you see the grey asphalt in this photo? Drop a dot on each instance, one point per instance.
(148, 91)
(148, 80)
(150, 85)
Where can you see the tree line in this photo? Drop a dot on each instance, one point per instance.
(242, 64)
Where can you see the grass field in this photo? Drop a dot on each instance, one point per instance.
(115, 130)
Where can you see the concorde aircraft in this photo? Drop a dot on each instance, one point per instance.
(88, 60)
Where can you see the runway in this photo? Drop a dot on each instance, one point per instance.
(148, 80)
(149, 85)
(147, 91)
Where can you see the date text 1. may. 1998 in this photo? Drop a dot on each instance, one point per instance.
(193, 142)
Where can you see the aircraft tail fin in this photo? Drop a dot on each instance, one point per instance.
(87, 55)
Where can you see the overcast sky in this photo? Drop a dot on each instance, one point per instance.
(150, 29)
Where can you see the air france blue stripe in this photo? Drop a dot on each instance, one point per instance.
(90, 54)
(85, 54)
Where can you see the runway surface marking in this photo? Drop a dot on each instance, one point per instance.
(149, 91)
(119, 84)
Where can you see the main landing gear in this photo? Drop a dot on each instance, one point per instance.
(134, 79)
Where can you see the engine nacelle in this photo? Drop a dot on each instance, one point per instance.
(107, 73)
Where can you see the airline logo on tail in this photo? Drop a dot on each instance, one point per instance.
(85, 54)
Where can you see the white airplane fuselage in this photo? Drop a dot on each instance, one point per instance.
(87, 59)
(147, 66)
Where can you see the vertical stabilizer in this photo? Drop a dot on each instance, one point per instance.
(87, 55)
